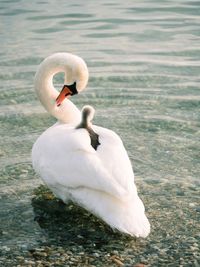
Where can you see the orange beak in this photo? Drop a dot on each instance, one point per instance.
(65, 92)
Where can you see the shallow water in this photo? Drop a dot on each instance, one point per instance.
(143, 58)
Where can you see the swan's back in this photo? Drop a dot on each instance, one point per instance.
(102, 180)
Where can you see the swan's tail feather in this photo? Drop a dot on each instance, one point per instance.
(127, 216)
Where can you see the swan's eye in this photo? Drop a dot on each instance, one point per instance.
(67, 94)
(72, 88)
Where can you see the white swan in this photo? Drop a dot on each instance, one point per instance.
(82, 162)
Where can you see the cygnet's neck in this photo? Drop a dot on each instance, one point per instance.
(87, 116)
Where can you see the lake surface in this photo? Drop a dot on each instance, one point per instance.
(144, 64)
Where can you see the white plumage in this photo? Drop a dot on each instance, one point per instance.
(102, 180)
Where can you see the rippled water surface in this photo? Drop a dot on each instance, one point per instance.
(144, 64)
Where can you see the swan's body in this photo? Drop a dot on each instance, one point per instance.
(100, 180)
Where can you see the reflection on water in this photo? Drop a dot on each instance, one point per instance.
(69, 224)
(143, 58)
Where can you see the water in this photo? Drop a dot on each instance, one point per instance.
(143, 58)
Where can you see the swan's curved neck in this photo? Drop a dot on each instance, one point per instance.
(75, 71)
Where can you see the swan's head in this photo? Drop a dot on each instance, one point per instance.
(76, 77)
(66, 92)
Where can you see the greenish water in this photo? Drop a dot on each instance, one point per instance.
(144, 59)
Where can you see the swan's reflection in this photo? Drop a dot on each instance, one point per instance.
(69, 224)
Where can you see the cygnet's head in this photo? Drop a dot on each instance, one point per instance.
(87, 115)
